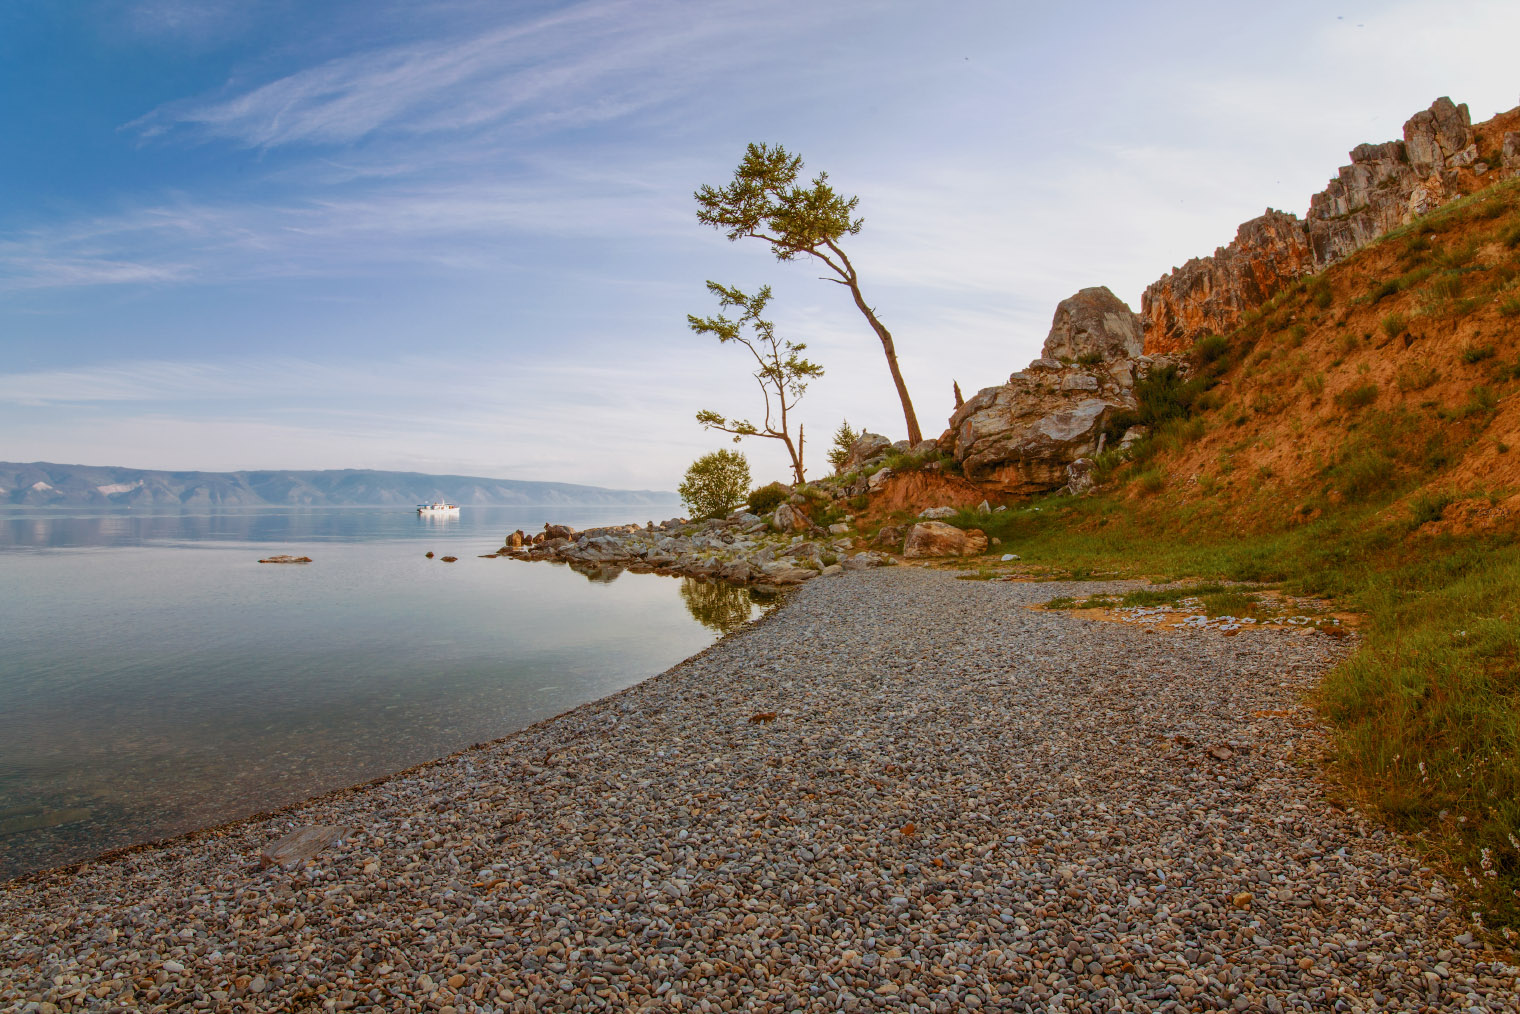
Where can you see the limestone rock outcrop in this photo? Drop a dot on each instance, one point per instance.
(1389, 184)
(1385, 186)
(865, 447)
(1094, 323)
(1208, 295)
(1019, 437)
(1509, 151)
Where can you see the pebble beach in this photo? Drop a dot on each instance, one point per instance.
(899, 791)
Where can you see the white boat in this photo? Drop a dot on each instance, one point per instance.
(438, 507)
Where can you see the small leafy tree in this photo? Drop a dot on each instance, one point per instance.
(764, 202)
(782, 372)
(715, 484)
(844, 439)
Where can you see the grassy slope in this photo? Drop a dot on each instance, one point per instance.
(1318, 448)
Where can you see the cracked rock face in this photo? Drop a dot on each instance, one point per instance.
(1093, 322)
(1385, 186)
(1208, 295)
(1019, 437)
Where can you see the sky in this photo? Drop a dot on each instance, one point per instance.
(460, 236)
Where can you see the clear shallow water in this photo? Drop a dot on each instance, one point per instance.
(154, 677)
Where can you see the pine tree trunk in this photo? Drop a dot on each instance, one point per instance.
(915, 436)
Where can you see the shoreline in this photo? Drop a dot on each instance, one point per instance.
(211, 830)
(1049, 811)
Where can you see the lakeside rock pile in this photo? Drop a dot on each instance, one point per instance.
(768, 553)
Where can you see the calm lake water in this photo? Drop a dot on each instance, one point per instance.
(155, 678)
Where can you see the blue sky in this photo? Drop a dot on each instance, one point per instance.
(459, 236)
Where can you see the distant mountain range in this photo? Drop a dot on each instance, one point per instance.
(44, 484)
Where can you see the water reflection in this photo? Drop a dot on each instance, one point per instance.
(596, 573)
(82, 528)
(720, 606)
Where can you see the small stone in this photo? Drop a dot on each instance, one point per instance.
(1242, 900)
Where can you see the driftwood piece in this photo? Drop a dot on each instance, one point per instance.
(284, 558)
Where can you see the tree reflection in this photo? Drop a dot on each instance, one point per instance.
(719, 606)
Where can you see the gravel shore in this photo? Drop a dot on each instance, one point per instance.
(958, 804)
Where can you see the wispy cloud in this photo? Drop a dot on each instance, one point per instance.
(589, 63)
(453, 223)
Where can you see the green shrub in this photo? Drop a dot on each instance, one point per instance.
(1382, 290)
(764, 499)
(1415, 377)
(1448, 286)
(1364, 472)
(1477, 353)
(908, 461)
(715, 484)
(1151, 481)
(1428, 507)
(1357, 397)
(1395, 324)
(1162, 395)
(1090, 359)
(1510, 307)
(1314, 383)
(1480, 401)
(1210, 348)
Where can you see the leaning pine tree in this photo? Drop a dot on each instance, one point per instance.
(764, 202)
(781, 371)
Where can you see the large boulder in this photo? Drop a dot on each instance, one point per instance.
(935, 538)
(1018, 438)
(1093, 323)
(1080, 477)
(789, 519)
(866, 447)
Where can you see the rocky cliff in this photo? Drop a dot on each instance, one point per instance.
(1208, 295)
(1441, 157)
